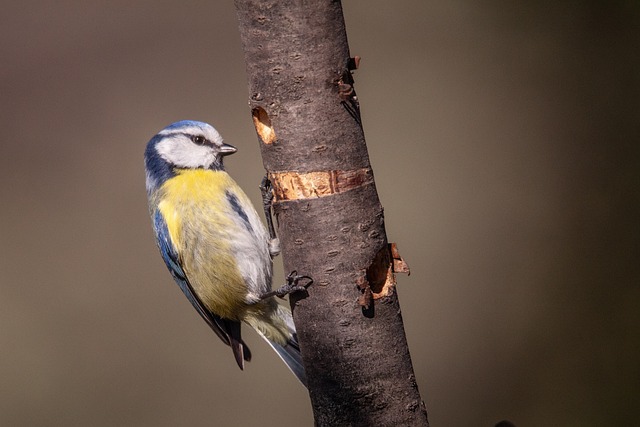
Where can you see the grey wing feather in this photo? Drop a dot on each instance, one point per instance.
(227, 330)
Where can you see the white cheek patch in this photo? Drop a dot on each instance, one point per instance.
(180, 151)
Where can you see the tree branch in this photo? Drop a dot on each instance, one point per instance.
(330, 220)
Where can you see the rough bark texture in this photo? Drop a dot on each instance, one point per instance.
(330, 220)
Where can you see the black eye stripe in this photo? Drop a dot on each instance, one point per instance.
(196, 139)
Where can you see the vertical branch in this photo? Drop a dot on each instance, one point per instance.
(331, 223)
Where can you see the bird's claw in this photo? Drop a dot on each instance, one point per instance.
(290, 287)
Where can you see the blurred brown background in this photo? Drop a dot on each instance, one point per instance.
(505, 141)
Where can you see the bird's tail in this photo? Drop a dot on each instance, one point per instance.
(287, 348)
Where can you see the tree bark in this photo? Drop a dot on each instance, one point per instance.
(330, 220)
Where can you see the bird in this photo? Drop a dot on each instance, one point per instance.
(213, 242)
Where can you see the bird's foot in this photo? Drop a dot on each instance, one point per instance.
(290, 287)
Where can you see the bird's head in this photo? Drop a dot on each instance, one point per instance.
(184, 145)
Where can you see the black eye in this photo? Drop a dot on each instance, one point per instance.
(198, 139)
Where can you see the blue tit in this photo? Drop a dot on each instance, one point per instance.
(213, 241)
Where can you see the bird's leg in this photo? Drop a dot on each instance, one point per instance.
(291, 286)
(267, 201)
(274, 246)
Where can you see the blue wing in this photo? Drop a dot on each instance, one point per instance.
(227, 330)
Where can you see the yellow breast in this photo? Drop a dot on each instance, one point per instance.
(191, 191)
(195, 207)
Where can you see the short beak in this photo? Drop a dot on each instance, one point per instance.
(226, 149)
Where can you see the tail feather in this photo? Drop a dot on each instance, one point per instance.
(283, 340)
(240, 350)
(290, 355)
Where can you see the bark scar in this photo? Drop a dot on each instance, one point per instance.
(292, 185)
(379, 279)
(346, 91)
(263, 126)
